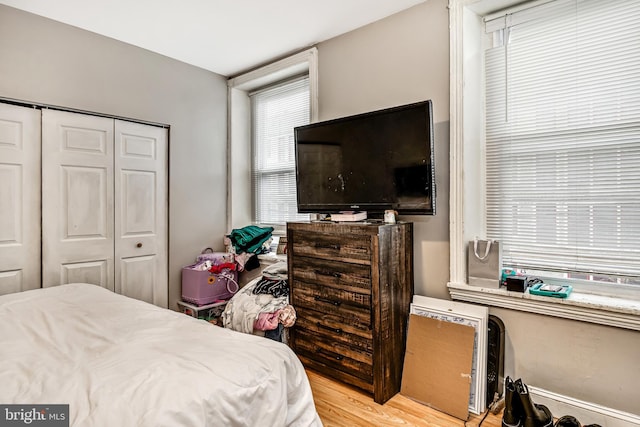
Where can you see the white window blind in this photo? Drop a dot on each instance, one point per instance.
(276, 112)
(563, 138)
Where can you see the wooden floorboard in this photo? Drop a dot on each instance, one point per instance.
(340, 405)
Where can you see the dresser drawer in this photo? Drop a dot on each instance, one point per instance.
(352, 248)
(334, 354)
(352, 277)
(335, 328)
(351, 307)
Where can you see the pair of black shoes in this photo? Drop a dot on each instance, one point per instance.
(519, 409)
(571, 421)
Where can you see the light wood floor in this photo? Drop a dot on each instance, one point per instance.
(342, 406)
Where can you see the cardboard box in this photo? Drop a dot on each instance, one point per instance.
(437, 365)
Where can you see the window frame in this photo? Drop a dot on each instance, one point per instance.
(614, 307)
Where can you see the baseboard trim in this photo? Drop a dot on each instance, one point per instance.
(585, 412)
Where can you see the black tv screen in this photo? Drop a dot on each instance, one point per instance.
(370, 162)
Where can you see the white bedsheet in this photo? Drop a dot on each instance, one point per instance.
(121, 362)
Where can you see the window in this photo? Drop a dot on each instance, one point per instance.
(277, 110)
(616, 305)
(562, 121)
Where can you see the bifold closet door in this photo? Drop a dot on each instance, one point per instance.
(77, 199)
(141, 212)
(105, 204)
(19, 198)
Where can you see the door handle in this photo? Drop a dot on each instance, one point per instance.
(139, 245)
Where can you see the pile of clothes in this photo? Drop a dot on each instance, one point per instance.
(273, 281)
(262, 307)
(246, 242)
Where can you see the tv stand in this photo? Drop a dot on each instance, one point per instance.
(352, 286)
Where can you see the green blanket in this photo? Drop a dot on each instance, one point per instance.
(250, 238)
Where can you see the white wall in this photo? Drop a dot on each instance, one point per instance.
(47, 62)
(405, 58)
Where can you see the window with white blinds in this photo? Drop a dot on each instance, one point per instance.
(563, 138)
(277, 111)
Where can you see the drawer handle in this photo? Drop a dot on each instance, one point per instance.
(329, 328)
(328, 273)
(327, 300)
(336, 247)
(332, 355)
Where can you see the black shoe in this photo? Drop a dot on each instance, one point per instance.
(512, 415)
(534, 415)
(567, 421)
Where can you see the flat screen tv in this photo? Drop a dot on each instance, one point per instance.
(375, 161)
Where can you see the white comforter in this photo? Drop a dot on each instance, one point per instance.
(121, 362)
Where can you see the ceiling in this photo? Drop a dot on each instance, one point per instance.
(223, 36)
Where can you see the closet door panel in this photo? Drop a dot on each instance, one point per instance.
(11, 281)
(84, 201)
(138, 276)
(141, 212)
(19, 198)
(77, 202)
(85, 272)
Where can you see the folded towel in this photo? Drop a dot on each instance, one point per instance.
(250, 238)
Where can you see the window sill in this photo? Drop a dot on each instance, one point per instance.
(609, 311)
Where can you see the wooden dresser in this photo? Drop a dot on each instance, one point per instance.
(351, 285)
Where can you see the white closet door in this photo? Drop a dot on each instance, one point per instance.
(77, 199)
(141, 212)
(19, 198)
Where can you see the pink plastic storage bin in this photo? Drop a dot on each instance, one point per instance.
(201, 287)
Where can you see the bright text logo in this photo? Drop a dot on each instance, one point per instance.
(34, 415)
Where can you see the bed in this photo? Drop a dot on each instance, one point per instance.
(120, 361)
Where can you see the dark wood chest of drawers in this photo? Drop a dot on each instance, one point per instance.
(351, 285)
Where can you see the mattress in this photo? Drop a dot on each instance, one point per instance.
(119, 361)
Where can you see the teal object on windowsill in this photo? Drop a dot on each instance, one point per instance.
(556, 291)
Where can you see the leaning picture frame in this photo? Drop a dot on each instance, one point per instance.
(470, 315)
